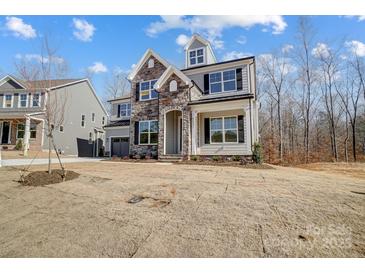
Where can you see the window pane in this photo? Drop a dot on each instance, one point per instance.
(143, 138)
(229, 75)
(192, 61)
(200, 59)
(216, 123)
(230, 123)
(153, 126)
(217, 136)
(154, 93)
(215, 77)
(145, 95)
(143, 126)
(20, 134)
(217, 87)
(200, 52)
(145, 85)
(230, 136)
(153, 138)
(230, 85)
(192, 53)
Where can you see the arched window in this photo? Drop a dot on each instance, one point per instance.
(151, 63)
(173, 85)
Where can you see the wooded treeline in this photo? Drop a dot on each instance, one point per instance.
(312, 96)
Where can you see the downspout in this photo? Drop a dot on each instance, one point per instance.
(250, 123)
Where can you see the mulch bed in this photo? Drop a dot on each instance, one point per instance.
(228, 163)
(42, 178)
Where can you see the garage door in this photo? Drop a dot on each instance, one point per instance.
(120, 146)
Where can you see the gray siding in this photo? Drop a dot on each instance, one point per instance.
(114, 132)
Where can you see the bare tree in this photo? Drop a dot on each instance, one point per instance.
(38, 75)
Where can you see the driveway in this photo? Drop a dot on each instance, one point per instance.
(44, 161)
(184, 211)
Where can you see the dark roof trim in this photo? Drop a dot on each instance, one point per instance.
(221, 63)
(221, 99)
(120, 123)
(119, 98)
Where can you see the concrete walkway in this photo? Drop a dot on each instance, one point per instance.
(44, 161)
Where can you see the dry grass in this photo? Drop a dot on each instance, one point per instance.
(187, 211)
(17, 154)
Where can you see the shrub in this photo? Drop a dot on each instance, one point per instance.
(194, 158)
(19, 144)
(143, 156)
(257, 155)
(236, 158)
(216, 158)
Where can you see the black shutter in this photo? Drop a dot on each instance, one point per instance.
(239, 78)
(136, 132)
(206, 131)
(241, 129)
(206, 83)
(118, 114)
(137, 92)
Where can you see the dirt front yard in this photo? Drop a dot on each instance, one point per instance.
(184, 211)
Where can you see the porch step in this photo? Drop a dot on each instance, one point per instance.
(170, 158)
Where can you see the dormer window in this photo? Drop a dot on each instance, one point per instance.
(151, 63)
(196, 57)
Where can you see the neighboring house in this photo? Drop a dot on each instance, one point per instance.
(117, 129)
(207, 108)
(81, 130)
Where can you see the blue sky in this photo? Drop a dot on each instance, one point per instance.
(105, 43)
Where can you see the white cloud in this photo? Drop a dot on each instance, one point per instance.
(212, 26)
(287, 48)
(356, 47)
(241, 40)
(322, 50)
(40, 59)
(235, 55)
(97, 67)
(182, 40)
(358, 17)
(83, 31)
(19, 28)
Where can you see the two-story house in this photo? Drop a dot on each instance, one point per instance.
(79, 131)
(207, 108)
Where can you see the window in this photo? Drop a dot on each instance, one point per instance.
(52, 126)
(82, 120)
(173, 85)
(93, 117)
(151, 63)
(23, 100)
(33, 130)
(125, 110)
(196, 57)
(222, 81)
(148, 132)
(36, 100)
(8, 101)
(61, 128)
(20, 131)
(103, 120)
(224, 130)
(147, 90)
(90, 137)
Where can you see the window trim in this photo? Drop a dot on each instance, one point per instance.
(30, 131)
(149, 91)
(222, 82)
(83, 120)
(40, 100)
(63, 129)
(12, 100)
(196, 57)
(103, 120)
(26, 102)
(223, 129)
(120, 110)
(149, 132)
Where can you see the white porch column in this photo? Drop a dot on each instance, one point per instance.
(248, 127)
(194, 115)
(26, 136)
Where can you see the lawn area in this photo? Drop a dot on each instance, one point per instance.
(185, 211)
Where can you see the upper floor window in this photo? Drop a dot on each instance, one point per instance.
(93, 117)
(8, 101)
(173, 85)
(82, 120)
(103, 120)
(23, 100)
(147, 91)
(196, 56)
(222, 81)
(36, 100)
(148, 132)
(125, 110)
(151, 63)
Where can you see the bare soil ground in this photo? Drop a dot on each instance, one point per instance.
(42, 177)
(185, 211)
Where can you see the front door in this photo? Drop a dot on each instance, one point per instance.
(5, 133)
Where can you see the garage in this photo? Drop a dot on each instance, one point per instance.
(119, 146)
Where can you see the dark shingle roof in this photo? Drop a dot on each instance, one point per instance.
(220, 63)
(120, 123)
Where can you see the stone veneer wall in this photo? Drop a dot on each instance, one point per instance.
(177, 100)
(144, 110)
